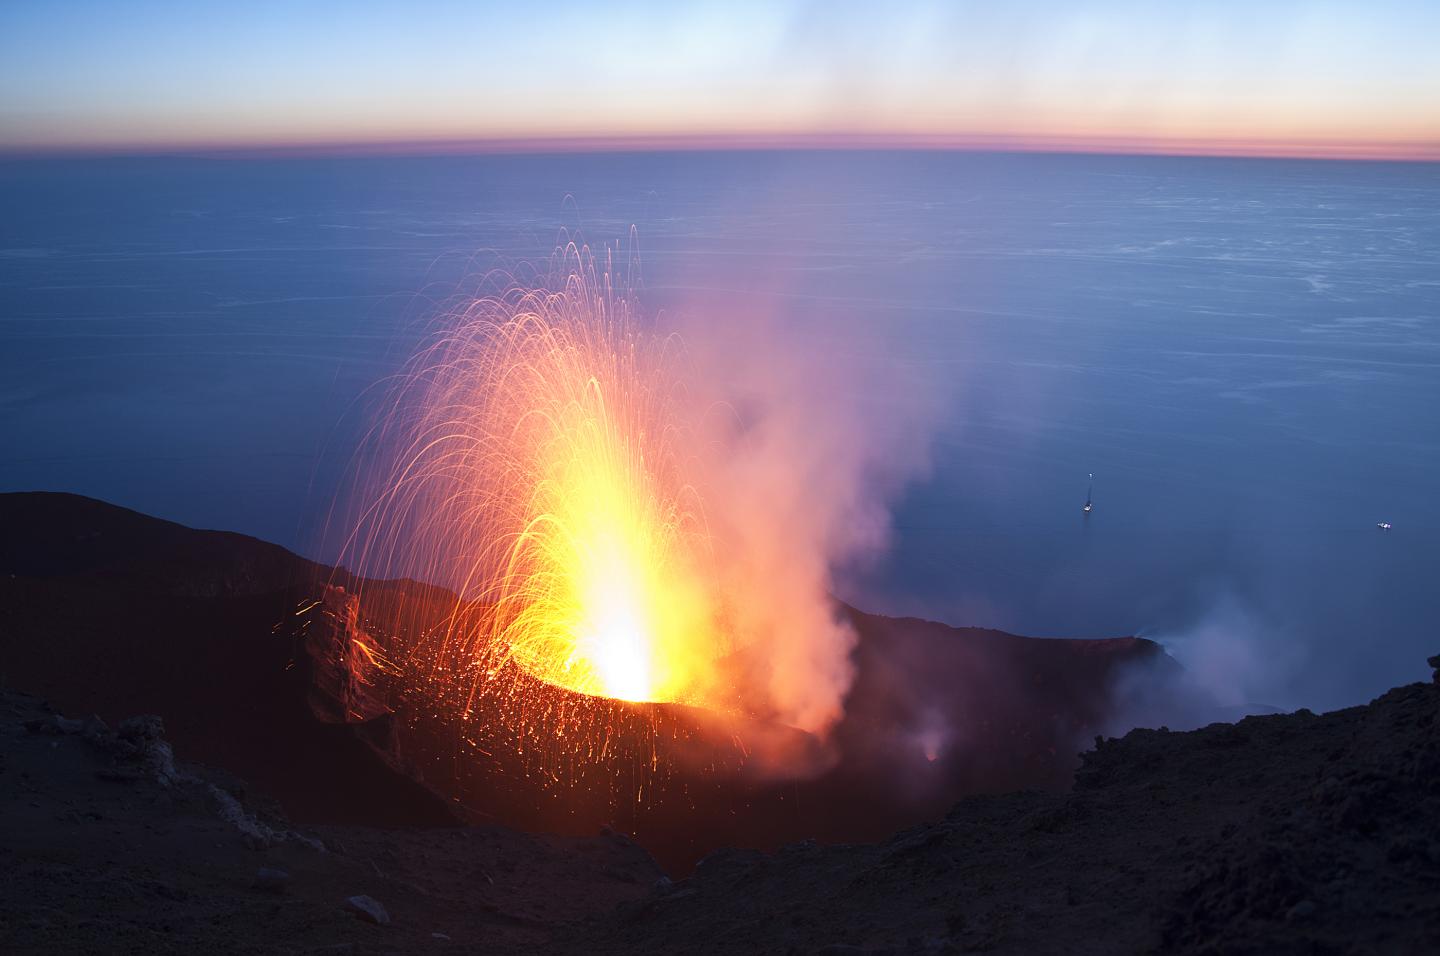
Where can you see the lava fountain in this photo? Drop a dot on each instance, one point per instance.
(541, 467)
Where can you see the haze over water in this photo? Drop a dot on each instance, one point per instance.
(1245, 353)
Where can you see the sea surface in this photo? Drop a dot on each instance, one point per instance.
(1245, 354)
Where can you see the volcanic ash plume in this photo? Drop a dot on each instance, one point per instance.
(626, 513)
(810, 438)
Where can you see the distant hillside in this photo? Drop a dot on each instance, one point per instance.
(103, 609)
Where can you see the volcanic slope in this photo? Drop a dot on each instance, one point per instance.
(1280, 834)
(261, 662)
(108, 845)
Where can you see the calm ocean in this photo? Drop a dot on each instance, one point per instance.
(1245, 353)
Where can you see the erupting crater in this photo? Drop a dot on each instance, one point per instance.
(542, 457)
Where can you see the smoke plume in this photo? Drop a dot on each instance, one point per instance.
(1232, 664)
(808, 440)
(636, 506)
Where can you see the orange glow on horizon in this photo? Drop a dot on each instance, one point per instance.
(1336, 79)
(1397, 149)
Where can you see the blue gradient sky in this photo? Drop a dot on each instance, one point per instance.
(1306, 77)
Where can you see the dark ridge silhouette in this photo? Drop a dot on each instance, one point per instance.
(108, 610)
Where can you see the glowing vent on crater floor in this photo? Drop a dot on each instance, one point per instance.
(542, 474)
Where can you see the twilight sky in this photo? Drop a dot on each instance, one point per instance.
(1359, 77)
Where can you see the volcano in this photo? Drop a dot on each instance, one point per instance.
(261, 661)
(1282, 833)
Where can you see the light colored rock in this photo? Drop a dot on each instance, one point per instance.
(368, 909)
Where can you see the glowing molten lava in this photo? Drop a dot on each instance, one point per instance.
(599, 582)
(544, 476)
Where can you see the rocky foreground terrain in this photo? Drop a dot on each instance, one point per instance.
(214, 768)
(1290, 833)
(285, 673)
(108, 846)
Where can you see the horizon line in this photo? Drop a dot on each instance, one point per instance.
(1199, 147)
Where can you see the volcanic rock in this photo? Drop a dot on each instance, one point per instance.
(271, 880)
(53, 724)
(139, 729)
(1215, 841)
(266, 664)
(1288, 833)
(147, 615)
(87, 867)
(368, 909)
